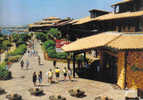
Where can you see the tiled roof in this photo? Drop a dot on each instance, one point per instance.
(91, 42)
(122, 2)
(127, 41)
(120, 41)
(110, 16)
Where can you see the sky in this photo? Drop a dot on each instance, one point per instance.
(23, 12)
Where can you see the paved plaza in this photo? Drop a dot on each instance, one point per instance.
(21, 85)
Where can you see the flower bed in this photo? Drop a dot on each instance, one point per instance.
(56, 98)
(14, 97)
(36, 91)
(77, 93)
(2, 91)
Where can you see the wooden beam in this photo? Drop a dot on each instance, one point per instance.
(74, 70)
(111, 53)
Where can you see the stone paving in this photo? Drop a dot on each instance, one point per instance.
(21, 85)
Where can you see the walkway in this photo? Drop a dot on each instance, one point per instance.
(21, 85)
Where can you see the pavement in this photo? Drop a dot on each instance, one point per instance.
(21, 85)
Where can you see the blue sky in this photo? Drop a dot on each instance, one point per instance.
(22, 12)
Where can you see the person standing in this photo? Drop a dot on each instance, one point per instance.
(70, 74)
(39, 60)
(40, 77)
(65, 73)
(54, 63)
(57, 73)
(27, 64)
(22, 64)
(50, 76)
(34, 78)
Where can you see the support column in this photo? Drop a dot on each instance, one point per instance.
(74, 70)
(84, 58)
(68, 61)
(126, 59)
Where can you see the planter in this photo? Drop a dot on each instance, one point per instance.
(56, 98)
(77, 93)
(102, 98)
(14, 97)
(36, 91)
(2, 91)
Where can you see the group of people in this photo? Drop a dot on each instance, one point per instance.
(26, 63)
(50, 74)
(32, 52)
(66, 72)
(37, 77)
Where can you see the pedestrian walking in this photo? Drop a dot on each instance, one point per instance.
(50, 76)
(65, 73)
(70, 74)
(22, 64)
(27, 64)
(57, 73)
(39, 60)
(54, 63)
(40, 77)
(34, 78)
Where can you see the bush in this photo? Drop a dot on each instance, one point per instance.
(4, 73)
(49, 45)
(52, 53)
(14, 58)
(41, 36)
(20, 50)
(61, 55)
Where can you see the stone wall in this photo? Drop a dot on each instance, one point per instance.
(135, 69)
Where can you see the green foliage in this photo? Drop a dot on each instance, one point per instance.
(55, 33)
(18, 51)
(80, 58)
(6, 44)
(20, 38)
(14, 58)
(4, 73)
(15, 37)
(41, 36)
(49, 47)
(61, 55)
(52, 53)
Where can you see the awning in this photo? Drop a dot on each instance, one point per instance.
(128, 41)
(116, 40)
(91, 42)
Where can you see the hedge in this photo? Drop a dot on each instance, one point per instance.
(4, 73)
(14, 58)
(16, 54)
(49, 47)
(20, 50)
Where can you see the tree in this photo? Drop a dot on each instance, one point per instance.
(54, 33)
(41, 36)
(6, 44)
